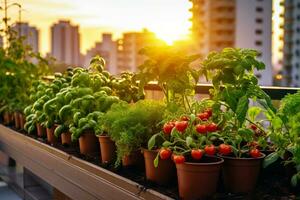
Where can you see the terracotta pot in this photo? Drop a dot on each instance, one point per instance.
(199, 180)
(22, 120)
(7, 118)
(88, 143)
(50, 135)
(107, 149)
(164, 173)
(66, 138)
(240, 174)
(41, 131)
(134, 159)
(17, 120)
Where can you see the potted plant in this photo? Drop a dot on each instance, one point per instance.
(191, 141)
(177, 79)
(284, 134)
(234, 85)
(130, 126)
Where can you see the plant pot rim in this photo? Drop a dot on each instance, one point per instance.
(221, 160)
(103, 136)
(236, 158)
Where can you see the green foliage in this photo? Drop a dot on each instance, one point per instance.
(18, 72)
(173, 72)
(234, 86)
(285, 132)
(131, 125)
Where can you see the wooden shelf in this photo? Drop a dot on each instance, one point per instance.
(72, 176)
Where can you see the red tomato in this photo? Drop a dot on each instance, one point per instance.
(253, 127)
(224, 149)
(255, 153)
(165, 154)
(197, 154)
(184, 118)
(201, 128)
(179, 159)
(203, 116)
(181, 126)
(212, 127)
(209, 112)
(167, 128)
(210, 150)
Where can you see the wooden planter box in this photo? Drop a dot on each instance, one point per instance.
(72, 176)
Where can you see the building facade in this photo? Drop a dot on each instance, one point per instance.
(291, 50)
(129, 46)
(107, 49)
(30, 33)
(234, 23)
(65, 43)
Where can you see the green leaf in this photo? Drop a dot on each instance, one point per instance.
(246, 134)
(242, 108)
(276, 122)
(253, 112)
(269, 159)
(189, 141)
(166, 144)
(156, 160)
(151, 142)
(294, 180)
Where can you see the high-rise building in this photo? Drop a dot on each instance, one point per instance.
(254, 30)
(30, 33)
(291, 50)
(107, 49)
(129, 47)
(277, 40)
(234, 23)
(213, 24)
(65, 43)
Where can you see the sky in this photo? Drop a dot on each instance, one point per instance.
(169, 19)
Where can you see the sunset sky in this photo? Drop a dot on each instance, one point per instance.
(167, 18)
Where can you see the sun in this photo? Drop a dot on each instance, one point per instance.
(171, 36)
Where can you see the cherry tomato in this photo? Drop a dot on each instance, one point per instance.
(225, 149)
(255, 153)
(184, 118)
(165, 153)
(210, 150)
(212, 127)
(197, 154)
(201, 128)
(167, 128)
(179, 159)
(181, 126)
(203, 116)
(253, 127)
(209, 112)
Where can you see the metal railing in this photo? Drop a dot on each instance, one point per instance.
(276, 93)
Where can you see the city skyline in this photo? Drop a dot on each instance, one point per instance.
(170, 22)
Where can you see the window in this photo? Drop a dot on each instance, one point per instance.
(298, 17)
(297, 77)
(298, 30)
(259, 20)
(259, 9)
(297, 52)
(258, 31)
(297, 42)
(297, 65)
(258, 43)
